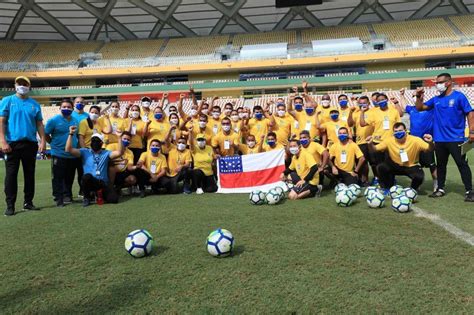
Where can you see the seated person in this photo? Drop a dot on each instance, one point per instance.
(331, 128)
(303, 172)
(179, 164)
(95, 162)
(272, 143)
(343, 156)
(251, 147)
(403, 156)
(202, 173)
(121, 169)
(151, 169)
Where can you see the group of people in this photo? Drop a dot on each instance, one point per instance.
(175, 151)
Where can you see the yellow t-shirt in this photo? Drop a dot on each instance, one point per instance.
(123, 161)
(176, 159)
(259, 127)
(344, 114)
(116, 124)
(350, 150)
(332, 129)
(150, 115)
(245, 149)
(410, 149)
(307, 122)
(316, 150)
(158, 130)
(267, 148)
(226, 143)
(154, 164)
(203, 159)
(137, 130)
(362, 132)
(283, 128)
(325, 113)
(207, 134)
(87, 132)
(214, 125)
(382, 122)
(302, 166)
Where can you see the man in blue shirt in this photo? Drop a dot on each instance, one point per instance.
(62, 162)
(20, 120)
(451, 108)
(95, 163)
(79, 115)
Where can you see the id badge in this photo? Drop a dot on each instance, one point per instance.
(343, 157)
(153, 168)
(307, 126)
(134, 129)
(114, 127)
(214, 130)
(297, 125)
(344, 118)
(403, 156)
(386, 124)
(226, 145)
(97, 173)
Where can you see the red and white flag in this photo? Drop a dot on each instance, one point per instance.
(245, 173)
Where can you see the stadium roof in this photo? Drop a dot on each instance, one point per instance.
(139, 19)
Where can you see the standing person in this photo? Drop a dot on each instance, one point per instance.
(226, 142)
(79, 115)
(62, 162)
(117, 124)
(451, 109)
(137, 129)
(93, 124)
(20, 120)
(283, 123)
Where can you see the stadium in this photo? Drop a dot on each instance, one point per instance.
(298, 256)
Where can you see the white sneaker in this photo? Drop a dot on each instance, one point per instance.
(199, 191)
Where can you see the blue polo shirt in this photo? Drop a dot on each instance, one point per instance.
(58, 128)
(79, 117)
(449, 116)
(92, 162)
(421, 123)
(21, 115)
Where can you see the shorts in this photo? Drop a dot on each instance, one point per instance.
(312, 189)
(427, 159)
(365, 150)
(376, 157)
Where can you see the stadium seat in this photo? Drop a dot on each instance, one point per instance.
(56, 52)
(131, 49)
(335, 32)
(11, 51)
(194, 46)
(465, 23)
(264, 38)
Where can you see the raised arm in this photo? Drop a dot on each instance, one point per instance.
(180, 106)
(363, 123)
(420, 106)
(119, 152)
(75, 152)
(350, 119)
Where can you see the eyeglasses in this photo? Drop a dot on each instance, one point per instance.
(225, 124)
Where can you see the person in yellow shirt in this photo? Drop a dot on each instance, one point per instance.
(215, 121)
(343, 157)
(202, 128)
(228, 107)
(250, 146)
(236, 121)
(152, 168)
(202, 174)
(93, 124)
(159, 126)
(137, 128)
(272, 143)
(344, 108)
(404, 153)
(319, 153)
(261, 122)
(121, 169)
(283, 123)
(116, 122)
(145, 111)
(325, 109)
(302, 172)
(179, 163)
(330, 129)
(226, 142)
(295, 106)
(307, 119)
(193, 117)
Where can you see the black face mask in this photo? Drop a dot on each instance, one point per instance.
(96, 144)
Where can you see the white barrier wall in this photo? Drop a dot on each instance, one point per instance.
(264, 50)
(337, 45)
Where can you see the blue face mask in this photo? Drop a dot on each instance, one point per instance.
(158, 115)
(66, 112)
(383, 104)
(155, 150)
(258, 115)
(309, 110)
(399, 134)
(80, 106)
(125, 143)
(304, 142)
(298, 106)
(271, 142)
(343, 137)
(343, 103)
(334, 116)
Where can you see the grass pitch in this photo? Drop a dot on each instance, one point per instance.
(303, 256)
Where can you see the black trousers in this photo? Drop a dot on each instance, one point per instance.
(443, 150)
(200, 180)
(136, 154)
(346, 178)
(173, 182)
(143, 179)
(80, 172)
(92, 184)
(388, 169)
(24, 152)
(62, 176)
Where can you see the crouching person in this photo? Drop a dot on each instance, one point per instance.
(179, 166)
(151, 169)
(122, 170)
(95, 162)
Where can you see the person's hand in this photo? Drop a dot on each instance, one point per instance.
(72, 129)
(153, 178)
(182, 96)
(165, 95)
(420, 91)
(402, 91)
(178, 169)
(189, 118)
(304, 84)
(190, 128)
(118, 133)
(295, 89)
(300, 183)
(191, 89)
(428, 138)
(369, 139)
(215, 98)
(353, 109)
(353, 174)
(320, 169)
(127, 107)
(5, 147)
(262, 137)
(42, 146)
(364, 109)
(335, 171)
(173, 127)
(106, 115)
(148, 121)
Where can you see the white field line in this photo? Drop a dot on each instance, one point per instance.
(454, 230)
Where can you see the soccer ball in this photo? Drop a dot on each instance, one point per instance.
(355, 189)
(289, 186)
(344, 198)
(401, 204)
(257, 197)
(411, 193)
(370, 189)
(273, 197)
(395, 191)
(220, 243)
(280, 191)
(351, 194)
(340, 187)
(376, 200)
(139, 243)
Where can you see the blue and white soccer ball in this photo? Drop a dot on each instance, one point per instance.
(257, 197)
(371, 189)
(220, 243)
(281, 191)
(376, 200)
(356, 189)
(351, 194)
(139, 243)
(340, 187)
(401, 204)
(411, 193)
(289, 186)
(344, 198)
(395, 190)
(273, 197)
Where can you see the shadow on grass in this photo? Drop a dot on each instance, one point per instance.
(238, 250)
(158, 250)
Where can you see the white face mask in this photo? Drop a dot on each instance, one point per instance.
(146, 104)
(294, 150)
(205, 111)
(115, 111)
(193, 112)
(227, 111)
(181, 146)
(202, 124)
(235, 117)
(325, 103)
(134, 114)
(226, 128)
(441, 87)
(93, 116)
(281, 113)
(215, 115)
(22, 90)
(174, 121)
(201, 144)
(251, 144)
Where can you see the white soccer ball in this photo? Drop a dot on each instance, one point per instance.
(355, 189)
(376, 200)
(273, 197)
(395, 191)
(401, 204)
(340, 187)
(351, 194)
(257, 197)
(289, 187)
(220, 243)
(281, 191)
(371, 189)
(344, 198)
(411, 193)
(139, 243)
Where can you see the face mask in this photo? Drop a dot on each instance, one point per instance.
(281, 113)
(334, 116)
(201, 144)
(343, 103)
(134, 114)
(251, 144)
(258, 115)
(174, 121)
(146, 104)
(309, 110)
(271, 142)
(235, 117)
(66, 112)
(227, 111)
(441, 87)
(343, 137)
(22, 90)
(155, 150)
(125, 143)
(225, 128)
(383, 104)
(94, 116)
(375, 103)
(193, 112)
(205, 111)
(158, 116)
(96, 144)
(298, 106)
(294, 150)
(243, 115)
(79, 106)
(215, 115)
(181, 146)
(304, 142)
(399, 134)
(325, 103)
(202, 124)
(115, 111)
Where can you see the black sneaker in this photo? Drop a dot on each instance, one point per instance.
(67, 200)
(142, 194)
(438, 193)
(86, 202)
(60, 203)
(469, 196)
(30, 207)
(9, 212)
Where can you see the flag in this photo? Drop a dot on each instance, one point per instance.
(245, 173)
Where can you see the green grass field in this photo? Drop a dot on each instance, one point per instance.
(303, 256)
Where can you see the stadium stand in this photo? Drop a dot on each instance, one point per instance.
(13, 51)
(194, 46)
(264, 38)
(465, 23)
(335, 32)
(131, 49)
(56, 52)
